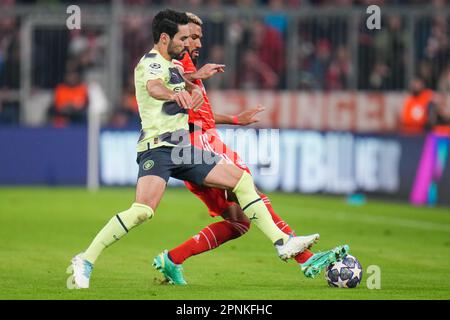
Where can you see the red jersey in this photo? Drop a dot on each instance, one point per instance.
(204, 116)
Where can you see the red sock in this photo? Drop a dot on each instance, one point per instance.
(283, 226)
(209, 238)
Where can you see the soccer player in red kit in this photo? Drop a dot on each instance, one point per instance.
(204, 136)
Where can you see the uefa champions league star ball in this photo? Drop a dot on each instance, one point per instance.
(346, 273)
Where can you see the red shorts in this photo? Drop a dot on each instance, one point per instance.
(215, 199)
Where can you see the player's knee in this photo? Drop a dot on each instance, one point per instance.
(246, 224)
(245, 184)
(137, 214)
(142, 212)
(241, 227)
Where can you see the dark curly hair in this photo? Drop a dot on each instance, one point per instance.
(167, 21)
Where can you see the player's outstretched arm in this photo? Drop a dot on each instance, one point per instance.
(205, 72)
(242, 119)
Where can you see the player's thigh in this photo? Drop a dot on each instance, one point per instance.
(154, 172)
(232, 156)
(224, 176)
(214, 199)
(149, 190)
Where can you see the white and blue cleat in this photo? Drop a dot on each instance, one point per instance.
(80, 272)
(295, 245)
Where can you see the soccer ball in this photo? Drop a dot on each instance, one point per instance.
(346, 273)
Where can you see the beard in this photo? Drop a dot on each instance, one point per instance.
(194, 58)
(173, 54)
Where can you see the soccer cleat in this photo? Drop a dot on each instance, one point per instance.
(80, 271)
(171, 271)
(320, 260)
(295, 245)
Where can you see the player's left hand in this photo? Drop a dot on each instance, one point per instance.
(210, 69)
(197, 99)
(248, 116)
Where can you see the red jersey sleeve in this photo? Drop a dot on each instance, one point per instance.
(188, 65)
(179, 65)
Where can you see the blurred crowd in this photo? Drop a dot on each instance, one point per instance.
(258, 48)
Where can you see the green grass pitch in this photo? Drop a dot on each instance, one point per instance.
(42, 228)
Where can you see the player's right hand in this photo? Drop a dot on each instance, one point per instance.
(184, 99)
(248, 116)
